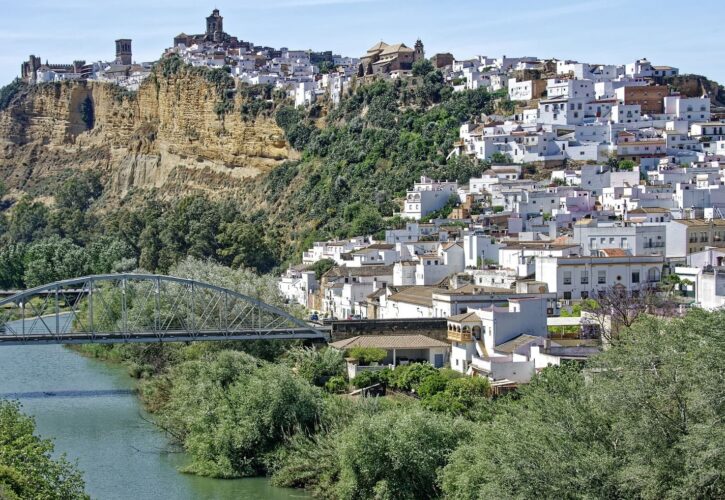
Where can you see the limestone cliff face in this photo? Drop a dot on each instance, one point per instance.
(167, 136)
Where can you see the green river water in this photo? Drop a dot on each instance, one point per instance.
(88, 409)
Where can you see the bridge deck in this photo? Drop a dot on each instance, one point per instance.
(166, 336)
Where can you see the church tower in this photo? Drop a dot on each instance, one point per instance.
(123, 51)
(214, 26)
(419, 52)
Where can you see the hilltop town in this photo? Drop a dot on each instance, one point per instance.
(391, 274)
(595, 180)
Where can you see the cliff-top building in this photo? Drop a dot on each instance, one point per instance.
(382, 58)
(214, 34)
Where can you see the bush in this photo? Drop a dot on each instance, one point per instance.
(430, 385)
(367, 378)
(366, 355)
(336, 385)
(316, 366)
(395, 454)
(231, 410)
(408, 377)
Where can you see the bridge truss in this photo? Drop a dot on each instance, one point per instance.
(118, 308)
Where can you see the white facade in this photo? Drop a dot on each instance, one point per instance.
(428, 196)
(582, 277)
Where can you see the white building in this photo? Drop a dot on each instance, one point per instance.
(298, 286)
(583, 277)
(428, 196)
(633, 238)
(480, 339)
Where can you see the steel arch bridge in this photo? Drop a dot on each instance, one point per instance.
(120, 308)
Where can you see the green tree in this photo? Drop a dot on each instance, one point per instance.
(79, 191)
(321, 267)
(27, 468)
(28, 221)
(553, 430)
(232, 410)
(12, 266)
(422, 67)
(396, 454)
(9, 91)
(109, 254)
(244, 245)
(626, 165)
(661, 385)
(316, 366)
(52, 259)
(366, 355)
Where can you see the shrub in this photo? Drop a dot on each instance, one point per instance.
(408, 377)
(432, 384)
(336, 385)
(366, 379)
(366, 355)
(396, 454)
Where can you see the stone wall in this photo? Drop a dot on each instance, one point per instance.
(435, 328)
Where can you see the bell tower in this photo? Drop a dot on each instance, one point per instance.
(123, 51)
(214, 26)
(419, 52)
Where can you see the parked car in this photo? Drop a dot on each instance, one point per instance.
(314, 317)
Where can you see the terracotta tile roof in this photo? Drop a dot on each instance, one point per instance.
(390, 342)
(614, 252)
(419, 295)
(366, 271)
(464, 318)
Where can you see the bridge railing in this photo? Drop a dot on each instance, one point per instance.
(141, 307)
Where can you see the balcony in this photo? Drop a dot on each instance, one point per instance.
(456, 336)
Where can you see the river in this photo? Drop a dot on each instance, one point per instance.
(90, 411)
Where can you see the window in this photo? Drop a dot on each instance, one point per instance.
(567, 295)
(635, 276)
(567, 277)
(602, 277)
(585, 278)
(653, 275)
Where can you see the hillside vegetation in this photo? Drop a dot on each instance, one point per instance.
(355, 162)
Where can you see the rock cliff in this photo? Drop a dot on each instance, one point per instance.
(171, 136)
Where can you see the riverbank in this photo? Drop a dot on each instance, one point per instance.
(91, 411)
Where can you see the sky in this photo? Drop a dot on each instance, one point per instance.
(667, 32)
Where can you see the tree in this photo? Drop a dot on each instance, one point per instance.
(27, 468)
(9, 91)
(12, 266)
(367, 355)
(395, 454)
(616, 308)
(316, 366)
(422, 67)
(109, 254)
(244, 245)
(367, 221)
(79, 191)
(52, 259)
(500, 158)
(662, 387)
(230, 411)
(626, 165)
(321, 267)
(28, 220)
(409, 376)
(550, 428)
